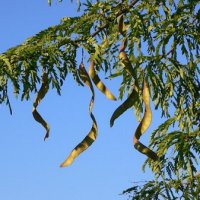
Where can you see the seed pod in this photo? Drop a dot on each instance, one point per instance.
(145, 150)
(87, 141)
(127, 64)
(121, 25)
(124, 106)
(92, 135)
(124, 44)
(40, 95)
(85, 77)
(99, 84)
(144, 124)
(146, 120)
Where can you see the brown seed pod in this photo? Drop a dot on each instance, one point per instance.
(98, 83)
(124, 44)
(40, 95)
(92, 135)
(121, 25)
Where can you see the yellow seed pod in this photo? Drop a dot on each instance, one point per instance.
(92, 135)
(148, 114)
(85, 77)
(98, 83)
(124, 106)
(86, 142)
(127, 64)
(144, 124)
(145, 150)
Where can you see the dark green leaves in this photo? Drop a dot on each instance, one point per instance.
(159, 40)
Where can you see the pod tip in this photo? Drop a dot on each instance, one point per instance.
(64, 164)
(111, 123)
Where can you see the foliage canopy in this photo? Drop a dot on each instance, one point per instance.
(154, 47)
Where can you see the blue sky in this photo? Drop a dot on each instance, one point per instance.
(29, 167)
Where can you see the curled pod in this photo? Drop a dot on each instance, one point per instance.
(98, 83)
(145, 150)
(92, 135)
(129, 102)
(40, 95)
(85, 78)
(147, 118)
(82, 146)
(144, 124)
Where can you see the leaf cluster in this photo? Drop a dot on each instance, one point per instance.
(162, 45)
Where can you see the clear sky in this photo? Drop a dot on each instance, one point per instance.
(29, 168)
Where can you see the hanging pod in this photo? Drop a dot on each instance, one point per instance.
(144, 124)
(40, 95)
(98, 83)
(124, 60)
(125, 105)
(121, 26)
(146, 120)
(134, 95)
(92, 135)
(123, 45)
(127, 64)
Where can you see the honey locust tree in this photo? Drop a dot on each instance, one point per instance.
(153, 45)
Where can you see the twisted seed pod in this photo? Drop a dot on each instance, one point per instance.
(144, 124)
(124, 106)
(92, 135)
(99, 84)
(145, 150)
(146, 120)
(129, 69)
(40, 95)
